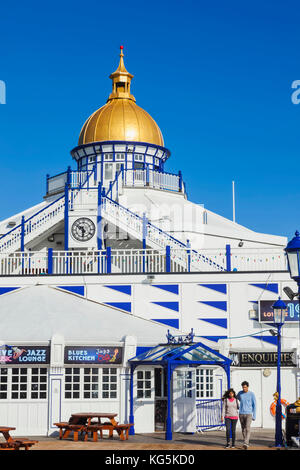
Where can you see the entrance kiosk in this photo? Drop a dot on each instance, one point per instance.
(178, 358)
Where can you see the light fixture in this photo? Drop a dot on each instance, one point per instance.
(241, 244)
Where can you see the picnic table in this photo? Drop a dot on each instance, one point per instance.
(83, 423)
(14, 444)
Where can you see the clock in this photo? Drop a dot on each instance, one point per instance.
(83, 229)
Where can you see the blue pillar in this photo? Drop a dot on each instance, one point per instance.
(66, 217)
(228, 258)
(50, 260)
(145, 222)
(168, 259)
(147, 174)
(99, 218)
(131, 415)
(189, 255)
(47, 183)
(108, 259)
(22, 233)
(180, 181)
(169, 435)
(278, 428)
(69, 175)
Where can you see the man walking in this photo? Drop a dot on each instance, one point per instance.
(247, 411)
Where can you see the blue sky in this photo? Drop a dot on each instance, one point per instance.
(216, 76)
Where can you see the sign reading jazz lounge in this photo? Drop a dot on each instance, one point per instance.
(266, 311)
(88, 355)
(256, 359)
(24, 354)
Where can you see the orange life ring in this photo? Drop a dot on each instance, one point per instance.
(273, 407)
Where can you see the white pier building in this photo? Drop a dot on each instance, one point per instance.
(112, 257)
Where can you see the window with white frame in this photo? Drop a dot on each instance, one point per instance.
(120, 156)
(3, 383)
(139, 157)
(23, 383)
(39, 376)
(109, 382)
(204, 383)
(108, 156)
(91, 383)
(143, 384)
(72, 382)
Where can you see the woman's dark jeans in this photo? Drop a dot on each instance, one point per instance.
(233, 423)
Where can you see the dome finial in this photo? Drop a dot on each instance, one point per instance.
(121, 81)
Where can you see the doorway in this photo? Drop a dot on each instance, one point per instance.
(160, 408)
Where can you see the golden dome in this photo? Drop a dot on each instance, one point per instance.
(121, 119)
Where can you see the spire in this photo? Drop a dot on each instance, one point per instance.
(121, 81)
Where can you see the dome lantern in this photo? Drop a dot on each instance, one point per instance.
(121, 81)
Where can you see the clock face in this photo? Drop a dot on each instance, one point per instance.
(83, 229)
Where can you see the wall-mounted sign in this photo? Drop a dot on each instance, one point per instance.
(266, 311)
(93, 355)
(24, 355)
(264, 359)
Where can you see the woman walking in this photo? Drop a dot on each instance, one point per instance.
(230, 414)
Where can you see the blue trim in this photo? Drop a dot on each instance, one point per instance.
(22, 233)
(173, 322)
(5, 290)
(99, 219)
(142, 349)
(267, 339)
(121, 305)
(215, 304)
(168, 259)
(79, 290)
(173, 288)
(66, 218)
(123, 289)
(215, 339)
(217, 287)
(222, 322)
(170, 305)
(228, 258)
(50, 260)
(270, 287)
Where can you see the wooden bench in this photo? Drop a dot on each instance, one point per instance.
(123, 430)
(93, 429)
(17, 444)
(66, 428)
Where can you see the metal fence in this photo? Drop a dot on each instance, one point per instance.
(209, 412)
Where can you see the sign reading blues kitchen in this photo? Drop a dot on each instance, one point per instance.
(24, 354)
(88, 355)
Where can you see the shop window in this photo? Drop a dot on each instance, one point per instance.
(109, 383)
(204, 383)
(72, 382)
(19, 383)
(39, 383)
(143, 384)
(91, 383)
(3, 383)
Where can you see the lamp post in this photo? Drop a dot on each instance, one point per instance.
(293, 256)
(279, 312)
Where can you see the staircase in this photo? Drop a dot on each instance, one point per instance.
(156, 238)
(42, 220)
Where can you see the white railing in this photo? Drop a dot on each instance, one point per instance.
(23, 263)
(258, 259)
(153, 179)
(122, 261)
(69, 262)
